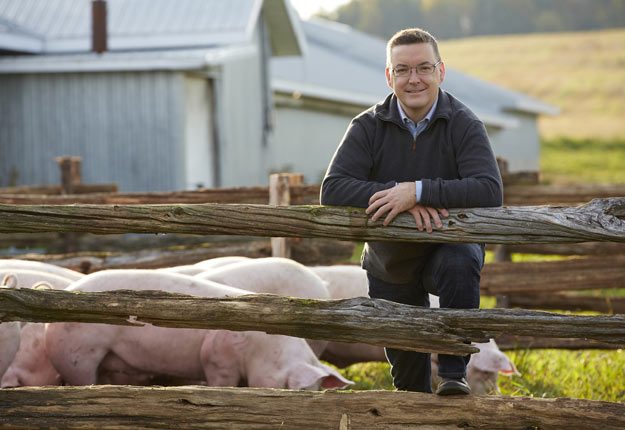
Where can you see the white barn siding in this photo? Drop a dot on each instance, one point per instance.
(240, 121)
(305, 140)
(126, 127)
(198, 148)
(519, 145)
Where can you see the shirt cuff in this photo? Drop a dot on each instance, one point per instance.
(419, 188)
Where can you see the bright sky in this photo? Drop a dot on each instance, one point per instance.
(307, 8)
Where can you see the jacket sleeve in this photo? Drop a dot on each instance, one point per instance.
(479, 183)
(346, 182)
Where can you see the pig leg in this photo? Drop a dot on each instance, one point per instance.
(76, 350)
(220, 357)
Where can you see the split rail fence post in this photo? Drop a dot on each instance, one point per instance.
(71, 173)
(501, 251)
(71, 176)
(280, 195)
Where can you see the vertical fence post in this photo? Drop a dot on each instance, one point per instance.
(71, 175)
(502, 253)
(280, 195)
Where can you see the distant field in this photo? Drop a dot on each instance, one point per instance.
(581, 73)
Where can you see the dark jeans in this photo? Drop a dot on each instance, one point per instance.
(452, 272)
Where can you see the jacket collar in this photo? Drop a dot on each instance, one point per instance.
(387, 110)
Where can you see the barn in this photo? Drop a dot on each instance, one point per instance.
(201, 93)
(180, 99)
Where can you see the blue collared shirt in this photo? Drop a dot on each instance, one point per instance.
(415, 130)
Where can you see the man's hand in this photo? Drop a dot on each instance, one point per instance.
(393, 201)
(402, 198)
(423, 214)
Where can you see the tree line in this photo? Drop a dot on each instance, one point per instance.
(449, 19)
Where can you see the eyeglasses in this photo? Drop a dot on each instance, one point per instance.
(421, 69)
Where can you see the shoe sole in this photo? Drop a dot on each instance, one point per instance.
(453, 392)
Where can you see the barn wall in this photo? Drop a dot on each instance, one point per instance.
(520, 145)
(198, 138)
(305, 140)
(126, 126)
(241, 94)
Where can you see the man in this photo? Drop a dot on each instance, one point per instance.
(419, 151)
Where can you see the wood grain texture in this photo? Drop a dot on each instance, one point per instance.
(599, 220)
(194, 407)
(372, 321)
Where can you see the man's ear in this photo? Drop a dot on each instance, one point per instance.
(441, 72)
(389, 77)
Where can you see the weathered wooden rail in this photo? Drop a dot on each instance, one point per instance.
(121, 407)
(554, 276)
(599, 220)
(372, 321)
(300, 194)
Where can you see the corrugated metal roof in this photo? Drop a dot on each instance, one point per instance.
(343, 64)
(72, 18)
(135, 24)
(178, 59)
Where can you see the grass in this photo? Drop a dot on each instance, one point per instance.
(566, 160)
(582, 73)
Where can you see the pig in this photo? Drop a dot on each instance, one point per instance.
(345, 281)
(8, 264)
(26, 278)
(273, 275)
(188, 269)
(214, 263)
(220, 357)
(30, 365)
(9, 333)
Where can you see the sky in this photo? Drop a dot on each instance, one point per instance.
(306, 8)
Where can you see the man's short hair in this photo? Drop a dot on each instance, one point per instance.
(409, 36)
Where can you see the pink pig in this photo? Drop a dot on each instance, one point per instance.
(30, 364)
(272, 275)
(9, 333)
(220, 357)
(9, 264)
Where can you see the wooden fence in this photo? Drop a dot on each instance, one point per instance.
(442, 330)
(558, 229)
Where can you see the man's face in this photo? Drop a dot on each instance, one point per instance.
(416, 92)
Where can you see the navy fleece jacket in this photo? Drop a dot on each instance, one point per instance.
(452, 157)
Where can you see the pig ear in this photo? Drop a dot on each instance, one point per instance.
(315, 377)
(9, 281)
(42, 285)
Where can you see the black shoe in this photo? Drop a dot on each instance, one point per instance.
(451, 386)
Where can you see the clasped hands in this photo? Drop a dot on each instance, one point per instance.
(402, 198)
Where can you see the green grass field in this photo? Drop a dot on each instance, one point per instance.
(584, 75)
(581, 73)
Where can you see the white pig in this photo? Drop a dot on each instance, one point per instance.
(187, 269)
(26, 278)
(345, 281)
(9, 333)
(273, 275)
(214, 263)
(30, 365)
(7, 264)
(222, 358)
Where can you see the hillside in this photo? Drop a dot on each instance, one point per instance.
(581, 73)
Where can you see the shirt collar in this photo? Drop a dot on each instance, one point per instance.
(428, 116)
